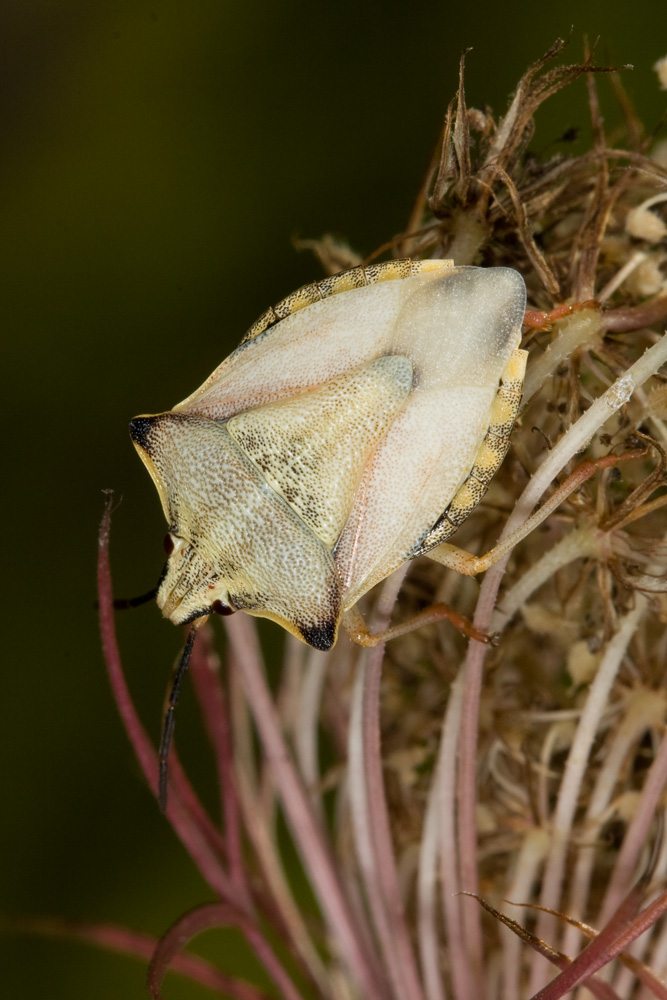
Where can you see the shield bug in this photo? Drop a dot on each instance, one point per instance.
(356, 426)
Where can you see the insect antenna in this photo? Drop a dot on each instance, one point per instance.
(170, 717)
(123, 603)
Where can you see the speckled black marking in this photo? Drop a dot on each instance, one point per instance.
(140, 429)
(195, 615)
(162, 575)
(319, 636)
(245, 601)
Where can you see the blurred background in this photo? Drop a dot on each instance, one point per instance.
(158, 158)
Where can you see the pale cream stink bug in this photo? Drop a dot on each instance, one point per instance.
(356, 426)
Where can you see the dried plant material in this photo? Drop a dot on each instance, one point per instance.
(581, 663)
(533, 768)
(657, 401)
(572, 334)
(661, 69)
(647, 278)
(545, 622)
(333, 254)
(644, 224)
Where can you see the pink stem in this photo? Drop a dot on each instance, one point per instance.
(636, 836)
(201, 919)
(205, 669)
(645, 920)
(607, 945)
(450, 872)
(179, 816)
(636, 317)
(402, 957)
(467, 761)
(378, 815)
(179, 781)
(134, 944)
(359, 808)
(594, 955)
(305, 828)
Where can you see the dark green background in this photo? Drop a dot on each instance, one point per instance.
(156, 160)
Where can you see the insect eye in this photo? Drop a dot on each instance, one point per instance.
(169, 544)
(222, 609)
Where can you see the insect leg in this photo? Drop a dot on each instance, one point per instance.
(359, 633)
(167, 735)
(537, 320)
(469, 565)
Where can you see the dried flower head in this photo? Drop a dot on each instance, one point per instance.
(661, 69)
(644, 224)
(529, 774)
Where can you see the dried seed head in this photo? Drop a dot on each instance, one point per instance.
(659, 153)
(657, 402)
(647, 278)
(644, 224)
(661, 69)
